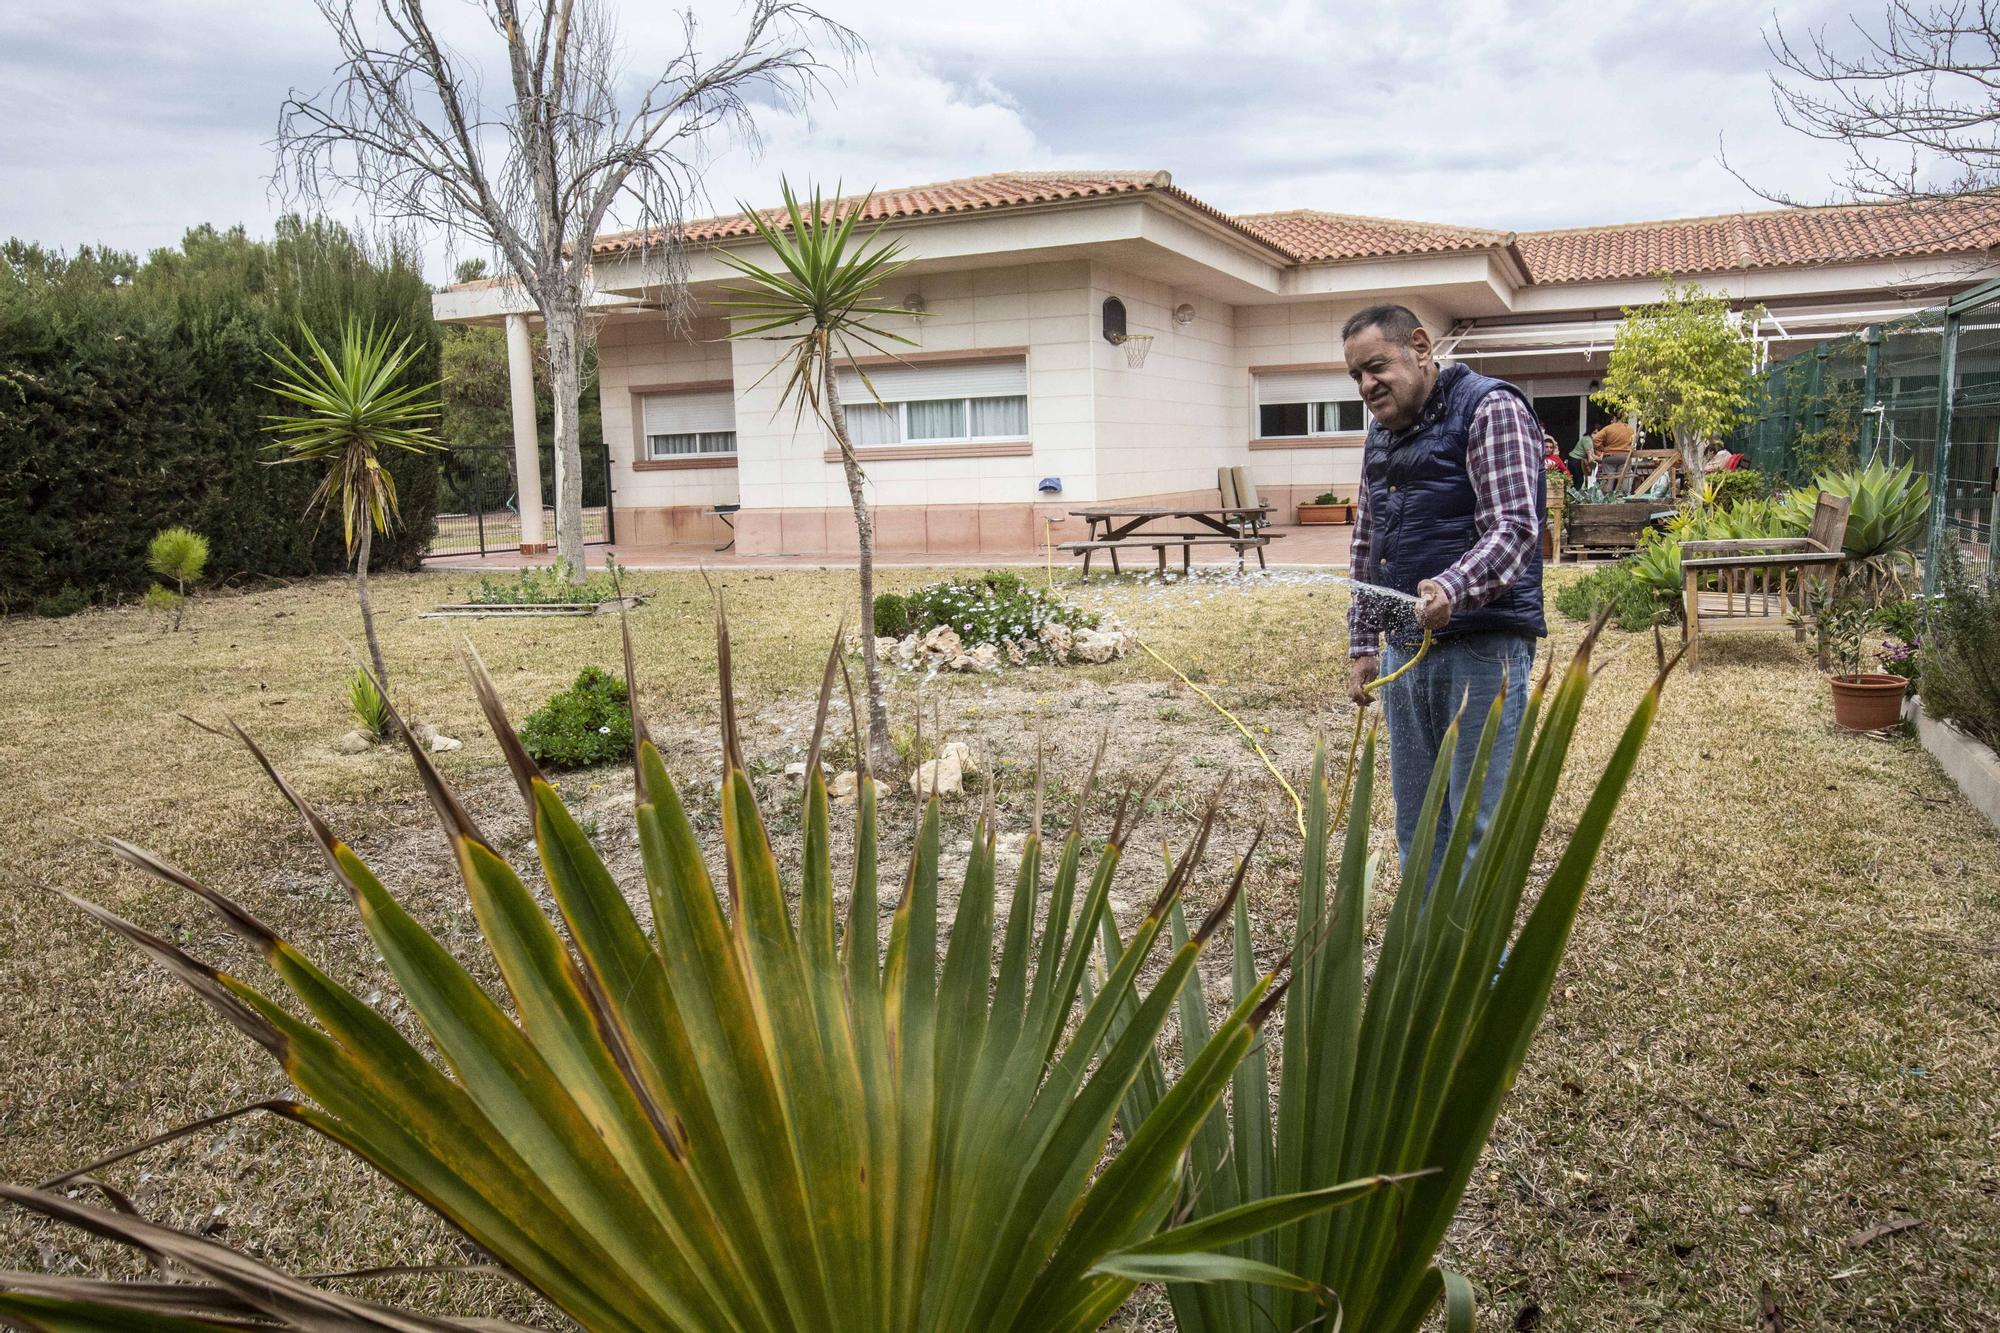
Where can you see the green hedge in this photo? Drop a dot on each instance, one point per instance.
(131, 400)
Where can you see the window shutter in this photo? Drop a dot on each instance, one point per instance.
(1306, 386)
(1004, 378)
(690, 413)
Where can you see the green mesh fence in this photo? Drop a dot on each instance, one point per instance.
(1875, 395)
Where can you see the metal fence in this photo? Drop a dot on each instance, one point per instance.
(478, 501)
(1923, 390)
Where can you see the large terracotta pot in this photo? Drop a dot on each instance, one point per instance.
(1868, 702)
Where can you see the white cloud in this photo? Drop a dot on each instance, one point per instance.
(140, 121)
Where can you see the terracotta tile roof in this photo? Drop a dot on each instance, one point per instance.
(1310, 236)
(973, 194)
(1777, 239)
(1782, 238)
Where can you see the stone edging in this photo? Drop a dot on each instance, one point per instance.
(1970, 764)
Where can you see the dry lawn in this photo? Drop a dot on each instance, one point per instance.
(1777, 1030)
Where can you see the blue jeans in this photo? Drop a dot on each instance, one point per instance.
(1418, 708)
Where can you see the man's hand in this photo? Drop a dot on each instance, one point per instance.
(1433, 607)
(1360, 672)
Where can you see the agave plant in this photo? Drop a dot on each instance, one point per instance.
(1888, 516)
(742, 1120)
(1406, 1069)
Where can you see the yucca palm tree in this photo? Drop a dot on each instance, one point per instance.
(354, 406)
(740, 1121)
(820, 301)
(1403, 1070)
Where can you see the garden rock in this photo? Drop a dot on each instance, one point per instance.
(355, 742)
(1056, 640)
(439, 743)
(906, 650)
(885, 645)
(944, 775)
(968, 763)
(983, 657)
(1016, 654)
(1092, 645)
(845, 786)
(943, 642)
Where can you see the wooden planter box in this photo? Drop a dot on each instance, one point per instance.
(1318, 513)
(1611, 527)
(1552, 534)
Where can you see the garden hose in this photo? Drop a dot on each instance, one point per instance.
(1354, 746)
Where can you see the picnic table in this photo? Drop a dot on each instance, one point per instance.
(1116, 527)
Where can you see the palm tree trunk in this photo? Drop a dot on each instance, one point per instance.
(368, 612)
(881, 750)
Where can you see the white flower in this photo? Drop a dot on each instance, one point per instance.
(604, 731)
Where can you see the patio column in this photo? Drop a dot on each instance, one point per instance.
(527, 450)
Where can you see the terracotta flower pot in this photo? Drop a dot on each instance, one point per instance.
(1868, 702)
(1329, 513)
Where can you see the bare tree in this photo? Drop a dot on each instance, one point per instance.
(535, 176)
(1915, 104)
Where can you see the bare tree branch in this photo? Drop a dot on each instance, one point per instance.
(536, 177)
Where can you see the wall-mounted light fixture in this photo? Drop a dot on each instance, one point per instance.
(914, 303)
(1184, 314)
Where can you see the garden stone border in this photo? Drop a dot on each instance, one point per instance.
(1969, 763)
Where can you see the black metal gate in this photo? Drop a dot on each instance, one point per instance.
(479, 502)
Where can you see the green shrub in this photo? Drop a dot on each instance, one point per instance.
(1726, 490)
(1961, 657)
(370, 709)
(993, 608)
(166, 601)
(1634, 608)
(179, 554)
(65, 601)
(587, 724)
(892, 614)
(1887, 521)
(549, 585)
(131, 395)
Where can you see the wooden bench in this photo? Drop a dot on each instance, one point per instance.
(1762, 583)
(1160, 541)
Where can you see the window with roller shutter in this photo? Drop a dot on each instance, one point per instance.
(1308, 402)
(915, 404)
(688, 425)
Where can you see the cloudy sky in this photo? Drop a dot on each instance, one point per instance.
(128, 120)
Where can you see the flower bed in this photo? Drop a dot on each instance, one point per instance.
(983, 623)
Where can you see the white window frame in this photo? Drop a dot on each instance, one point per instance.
(654, 454)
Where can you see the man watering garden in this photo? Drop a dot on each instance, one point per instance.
(1450, 511)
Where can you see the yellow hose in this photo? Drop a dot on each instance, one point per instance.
(1298, 806)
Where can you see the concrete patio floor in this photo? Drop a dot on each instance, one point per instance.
(1316, 547)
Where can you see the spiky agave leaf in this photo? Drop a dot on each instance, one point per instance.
(735, 1122)
(1403, 1072)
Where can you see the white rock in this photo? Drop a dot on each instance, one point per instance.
(968, 762)
(984, 657)
(906, 650)
(942, 776)
(439, 743)
(796, 773)
(885, 645)
(355, 742)
(943, 642)
(1095, 646)
(843, 786)
(1016, 654)
(1056, 640)
(423, 731)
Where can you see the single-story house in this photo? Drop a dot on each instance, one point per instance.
(1025, 291)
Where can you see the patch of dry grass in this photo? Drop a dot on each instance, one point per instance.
(1777, 1026)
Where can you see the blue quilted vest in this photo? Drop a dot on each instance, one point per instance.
(1421, 504)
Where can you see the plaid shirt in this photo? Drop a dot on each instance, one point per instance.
(1503, 453)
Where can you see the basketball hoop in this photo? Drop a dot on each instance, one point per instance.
(1136, 346)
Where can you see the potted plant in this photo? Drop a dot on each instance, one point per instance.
(1862, 700)
(1330, 507)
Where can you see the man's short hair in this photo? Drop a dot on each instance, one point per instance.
(1396, 322)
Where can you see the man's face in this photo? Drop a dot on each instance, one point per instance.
(1394, 380)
